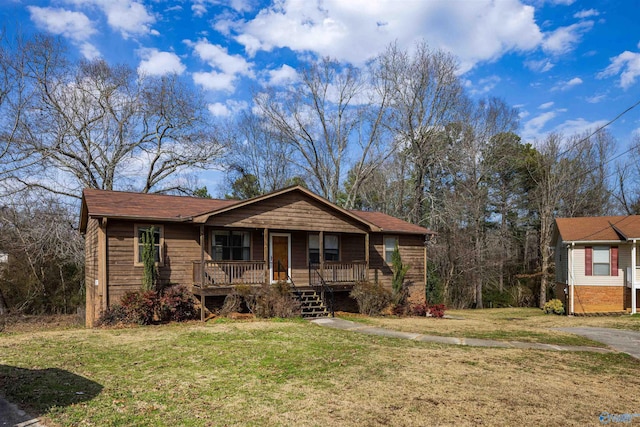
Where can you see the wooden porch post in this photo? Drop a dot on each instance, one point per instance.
(103, 285)
(202, 297)
(321, 250)
(426, 277)
(366, 256)
(265, 254)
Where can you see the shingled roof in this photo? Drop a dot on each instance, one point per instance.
(391, 224)
(166, 208)
(595, 229)
(147, 206)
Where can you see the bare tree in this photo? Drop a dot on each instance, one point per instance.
(95, 125)
(330, 115)
(425, 95)
(44, 271)
(255, 150)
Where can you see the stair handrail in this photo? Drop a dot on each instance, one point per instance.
(324, 287)
(296, 291)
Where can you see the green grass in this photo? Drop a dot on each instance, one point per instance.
(271, 373)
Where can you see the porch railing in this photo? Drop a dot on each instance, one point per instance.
(346, 272)
(223, 273)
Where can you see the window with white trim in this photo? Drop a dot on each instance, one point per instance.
(390, 243)
(230, 245)
(158, 239)
(601, 261)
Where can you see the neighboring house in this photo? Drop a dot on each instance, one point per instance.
(212, 245)
(597, 262)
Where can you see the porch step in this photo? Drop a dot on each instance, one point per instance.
(312, 305)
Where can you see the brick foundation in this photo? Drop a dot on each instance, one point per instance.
(599, 299)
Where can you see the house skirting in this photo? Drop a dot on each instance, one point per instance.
(597, 299)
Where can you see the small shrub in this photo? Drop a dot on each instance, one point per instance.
(114, 315)
(554, 306)
(372, 298)
(437, 310)
(420, 309)
(176, 304)
(399, 291)
(140, 306)
(273, 301)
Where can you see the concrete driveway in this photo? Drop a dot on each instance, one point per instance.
(622, 340)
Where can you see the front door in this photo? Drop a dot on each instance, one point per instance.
(279, 257)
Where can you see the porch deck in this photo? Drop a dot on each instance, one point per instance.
(220, 277)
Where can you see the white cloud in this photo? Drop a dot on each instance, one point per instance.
(225, 67)
(627, 65)
(200, 7)
(595, 99)
(157, 63)
(564, 39)
(578, 126)
(562, 86)
(227, 109)
(218, 109)
(357, 30)
(532, 129)
(282, 75)
(586, 13)
(546, 105)
(214, 81)
(89, 51)
(74, 25)
(129, 17)
(541, 66)
(484, 85)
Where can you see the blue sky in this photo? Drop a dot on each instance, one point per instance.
(567, 65)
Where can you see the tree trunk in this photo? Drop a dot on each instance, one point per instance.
(3, 304)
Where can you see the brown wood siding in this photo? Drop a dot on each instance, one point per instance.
(92, 308)
(299, 266)
(412, 252)
(181, 248)
(291, 211)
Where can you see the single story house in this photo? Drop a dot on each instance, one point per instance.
(213, 245)
(597, 261)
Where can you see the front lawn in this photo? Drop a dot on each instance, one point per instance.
(269, 373)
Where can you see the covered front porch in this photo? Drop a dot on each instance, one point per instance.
(314, 263)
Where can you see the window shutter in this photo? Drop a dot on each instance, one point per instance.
(614, 260)
(588, 261)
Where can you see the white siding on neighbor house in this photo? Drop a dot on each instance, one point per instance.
(624, 261)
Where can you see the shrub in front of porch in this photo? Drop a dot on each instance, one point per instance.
(174, 303)
(372, 298)
(264, 302)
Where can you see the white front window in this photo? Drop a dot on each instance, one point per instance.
(601, 259)
(389, 246)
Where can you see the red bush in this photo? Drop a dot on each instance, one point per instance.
(437, 310)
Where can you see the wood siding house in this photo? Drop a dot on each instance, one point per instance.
(597, 261)
(213, 245)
